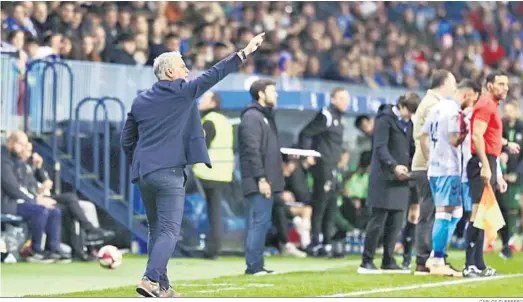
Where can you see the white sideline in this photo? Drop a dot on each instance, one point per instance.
(245, 286)
(423, 285)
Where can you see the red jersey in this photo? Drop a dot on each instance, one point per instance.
(486, 110)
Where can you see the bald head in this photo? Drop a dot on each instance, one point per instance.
(17, 143)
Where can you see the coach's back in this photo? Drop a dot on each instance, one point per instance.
(163, 129)
(170, 132)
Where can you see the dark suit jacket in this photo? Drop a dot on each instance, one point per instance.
(163, 129)
(391, 146)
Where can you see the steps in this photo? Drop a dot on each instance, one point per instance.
(90, 187)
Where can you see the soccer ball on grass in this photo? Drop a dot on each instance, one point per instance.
(109, 257)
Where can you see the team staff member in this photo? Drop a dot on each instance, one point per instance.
(325, 135)
(40, 212)
(508, 201)
(219, 140)
(261, 170)
(388, 180)
(443, 84)
(487, 143)
(161, 136)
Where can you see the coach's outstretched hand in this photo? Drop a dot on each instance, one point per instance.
(254, 44)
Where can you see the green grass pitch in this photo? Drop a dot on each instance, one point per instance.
(224, 278)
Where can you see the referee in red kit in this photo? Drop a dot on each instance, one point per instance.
(486, 147)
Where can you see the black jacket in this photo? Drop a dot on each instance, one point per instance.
(259, 149)
(13, 184)
(514, 134)
(391, 146)
(325, 135)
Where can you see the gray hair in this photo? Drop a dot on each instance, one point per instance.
(164, 62)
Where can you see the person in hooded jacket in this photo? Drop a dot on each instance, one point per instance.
(261, 170)
(392, 150)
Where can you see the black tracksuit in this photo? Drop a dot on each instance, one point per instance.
(325, 135)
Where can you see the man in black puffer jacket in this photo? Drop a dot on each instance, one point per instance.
(261, 169)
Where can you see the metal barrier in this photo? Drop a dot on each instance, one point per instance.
(101, 103)
(47, 65)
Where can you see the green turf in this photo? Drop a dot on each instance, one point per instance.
(305, 278)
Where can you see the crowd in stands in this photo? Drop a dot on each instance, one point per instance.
(377, 44)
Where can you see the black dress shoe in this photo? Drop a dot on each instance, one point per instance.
(393, 268)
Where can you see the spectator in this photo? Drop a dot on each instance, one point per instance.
(88, 50)
(19, 20)
(388, 44)
(39, 18)
(492, 52)
(62, 21)
(124, 52)
(38, 211)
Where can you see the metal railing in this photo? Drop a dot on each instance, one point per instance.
(123, 176)
(54, 112)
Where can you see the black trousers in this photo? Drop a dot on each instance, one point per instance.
(323, 202)
(72, 212)
(71, 208)
(357, 217)
(214, 193)
(280, 219)
(388, 223)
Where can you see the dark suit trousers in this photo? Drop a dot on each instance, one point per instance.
(213, 193)
(323, 202)
(388, 223)
(163, 196)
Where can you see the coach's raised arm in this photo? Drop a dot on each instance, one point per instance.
(170, 127)
(197, 87)
(161, 136)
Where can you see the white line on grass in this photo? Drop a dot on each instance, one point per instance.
(223, 284)
(233, 288)
(424, 285)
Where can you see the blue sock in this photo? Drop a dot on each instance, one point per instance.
(456, 217)
(440, 234)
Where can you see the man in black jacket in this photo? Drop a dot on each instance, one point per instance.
(325, 135)
(389, 196)
(40, 212)
(512, 164)
(261, 170)
(37, 181)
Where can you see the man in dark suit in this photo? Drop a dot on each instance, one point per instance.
(163, 134)
(261, 169)
(392, 149)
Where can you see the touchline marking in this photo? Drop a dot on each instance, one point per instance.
(423, 285)
(233, 288)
